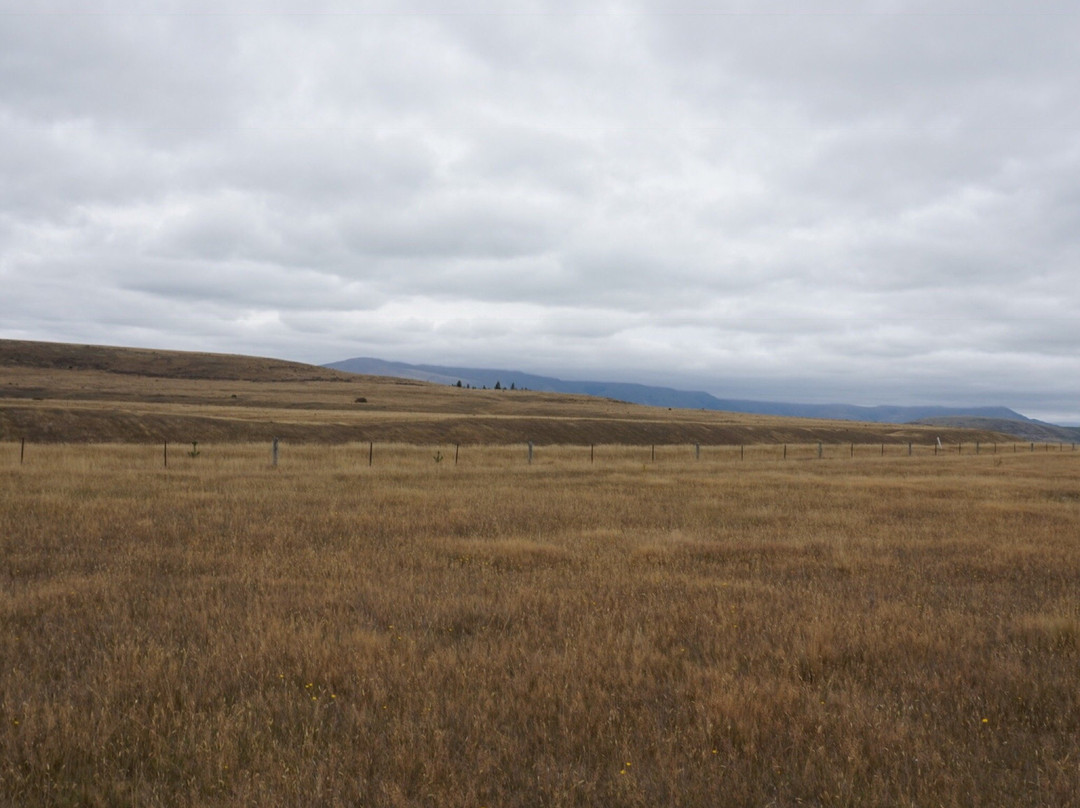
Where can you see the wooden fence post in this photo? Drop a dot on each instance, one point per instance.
(22, 451)
(592, 451)
(165, 453)
(530, 452)
(371, 452)
(273, 453)
(457, 447)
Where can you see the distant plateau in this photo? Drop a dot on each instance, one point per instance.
(1001, 419)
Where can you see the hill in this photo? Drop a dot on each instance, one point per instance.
(58, 356)
(1028, 429)
(77, 393)
(666, 396)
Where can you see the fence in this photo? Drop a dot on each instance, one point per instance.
(354, 456)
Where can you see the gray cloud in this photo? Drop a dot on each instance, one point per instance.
(872, 202)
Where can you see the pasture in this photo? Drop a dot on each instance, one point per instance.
(866, 630)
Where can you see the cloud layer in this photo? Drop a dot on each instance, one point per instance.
(875, 202)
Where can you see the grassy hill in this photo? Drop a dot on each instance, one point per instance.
(1027, 430)
(58, 356)
(52, 392)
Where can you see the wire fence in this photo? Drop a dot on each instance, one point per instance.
(359, 455)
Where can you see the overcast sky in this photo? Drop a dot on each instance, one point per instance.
(871, 202)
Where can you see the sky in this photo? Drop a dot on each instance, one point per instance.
(870, 203)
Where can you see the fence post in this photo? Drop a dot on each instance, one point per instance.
(742, 452)
(785, 451)
(371, 452)
(853, 450)
(883, 450)
(819, 450)
(697, 451)
(909, 449)
(22, 451)
(592, 451)
(652, 455)
(165, 453)
(457, 447)
(530, 452)
(273, 454)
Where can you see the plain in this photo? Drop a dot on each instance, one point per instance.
(620, 631)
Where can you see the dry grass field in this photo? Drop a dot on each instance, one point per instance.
(406, 612)
(892, 631)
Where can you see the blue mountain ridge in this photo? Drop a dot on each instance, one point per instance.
(664, 396)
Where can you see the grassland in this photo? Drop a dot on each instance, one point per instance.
(406, 612)
(623, 632)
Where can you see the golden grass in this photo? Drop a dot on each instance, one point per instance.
(623, 632)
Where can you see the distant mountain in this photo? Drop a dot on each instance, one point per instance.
(669, 397)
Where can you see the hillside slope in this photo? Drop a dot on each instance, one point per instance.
(158, 364)
(67, 393)
(1027, 429)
